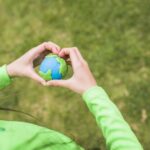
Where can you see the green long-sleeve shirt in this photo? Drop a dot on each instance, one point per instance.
(25, 136)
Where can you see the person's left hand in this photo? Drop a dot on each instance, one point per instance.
(24, 66)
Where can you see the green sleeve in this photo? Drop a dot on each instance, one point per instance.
(4, 77)
(115, 129)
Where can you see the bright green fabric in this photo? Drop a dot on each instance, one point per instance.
(115, 129)
(25, 136)
(5, 80)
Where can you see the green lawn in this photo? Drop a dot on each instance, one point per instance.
(113, 36)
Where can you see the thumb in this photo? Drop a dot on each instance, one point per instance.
(33, 75)
(61, 83)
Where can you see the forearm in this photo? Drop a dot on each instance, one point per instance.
(5, 79)
(115, 129)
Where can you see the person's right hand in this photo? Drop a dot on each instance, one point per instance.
(24, 65)
(82, 78)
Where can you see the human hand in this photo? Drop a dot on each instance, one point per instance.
(82, 78)
(24, 66)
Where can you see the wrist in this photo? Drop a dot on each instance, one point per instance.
(10, 70)
(87, 88)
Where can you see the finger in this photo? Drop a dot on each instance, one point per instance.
(40, 48)
(64, 57)
(36, 51)
(78, 53)
(33, 75)
(71, 52)
(63, 53)
(52, 46)
(67, 59)
(61, 83)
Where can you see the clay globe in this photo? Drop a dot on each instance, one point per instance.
(53, 68)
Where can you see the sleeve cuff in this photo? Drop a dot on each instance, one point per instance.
(94, 92)
(4, 77)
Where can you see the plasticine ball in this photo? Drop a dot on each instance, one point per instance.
(53, 68)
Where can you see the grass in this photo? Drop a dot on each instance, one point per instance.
(114, 38)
